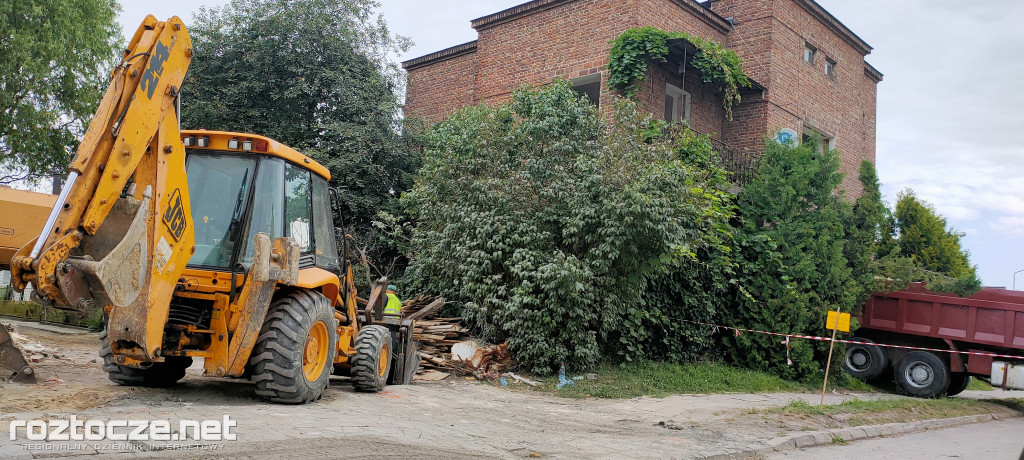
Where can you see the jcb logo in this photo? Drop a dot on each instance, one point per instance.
(174, 216)
(156, 67)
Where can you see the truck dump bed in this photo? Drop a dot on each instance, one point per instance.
(992, 316)
(22, 215)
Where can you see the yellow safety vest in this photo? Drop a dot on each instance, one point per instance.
(394, 306)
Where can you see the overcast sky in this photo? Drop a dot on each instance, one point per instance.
(950, 110)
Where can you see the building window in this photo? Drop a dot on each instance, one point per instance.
(810, 52)
(677, 104)
(821, 141)
(830, 67)
(588, 87)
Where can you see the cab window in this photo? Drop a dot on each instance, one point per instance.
(298, 207)
(219, 187)
(323, 227)
(267, 206)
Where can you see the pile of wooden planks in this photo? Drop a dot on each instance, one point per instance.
(436, 336)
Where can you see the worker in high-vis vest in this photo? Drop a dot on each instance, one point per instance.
(394, 306)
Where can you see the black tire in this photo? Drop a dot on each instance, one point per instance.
(289, 363)
(865, 362)
(958, 382)
(372, 363)
(922, 374)
(163, 374)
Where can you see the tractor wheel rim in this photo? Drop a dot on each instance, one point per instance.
(314, 356)
(382, 360)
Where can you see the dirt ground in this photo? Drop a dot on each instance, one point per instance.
(454, 418)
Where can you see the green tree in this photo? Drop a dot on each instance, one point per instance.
(55, 60)
(865, 232)
(313, 74)
(925, 236)
(792, 265)
(919, 245)
(545, 221)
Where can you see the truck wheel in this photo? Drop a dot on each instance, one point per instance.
(958, 382)
(294, 354)
(162, 374)
(922, 374)
(372, 362)
(865, 362)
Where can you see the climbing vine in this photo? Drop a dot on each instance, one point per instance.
(635, 48)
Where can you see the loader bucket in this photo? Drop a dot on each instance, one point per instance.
(11, 358)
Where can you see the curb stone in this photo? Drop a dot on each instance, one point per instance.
(821, 438)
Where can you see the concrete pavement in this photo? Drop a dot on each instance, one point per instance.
(451, 420)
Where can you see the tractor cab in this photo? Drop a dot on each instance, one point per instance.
(251, 184)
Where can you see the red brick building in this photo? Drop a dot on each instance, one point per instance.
(808, 69)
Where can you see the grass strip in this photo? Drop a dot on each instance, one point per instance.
(897, 410)
(656, 379)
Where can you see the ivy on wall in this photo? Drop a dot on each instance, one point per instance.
(633, 50)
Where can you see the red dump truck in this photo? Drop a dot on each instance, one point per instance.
(942, 340)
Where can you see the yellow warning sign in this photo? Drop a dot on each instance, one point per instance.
(842, 318)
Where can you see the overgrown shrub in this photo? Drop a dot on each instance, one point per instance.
(693, 289)
(792, 264)
(546, 222)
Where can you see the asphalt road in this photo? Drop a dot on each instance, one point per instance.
(999, 440)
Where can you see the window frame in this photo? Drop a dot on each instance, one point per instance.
(677, 94)
(824, 140)
(830, 67)
(810, 53)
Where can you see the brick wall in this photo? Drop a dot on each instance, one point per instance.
(770, 36)
(434, 91)
(539, 41)
(562, 39)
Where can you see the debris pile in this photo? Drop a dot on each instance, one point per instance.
(33, 351)
(447, 347)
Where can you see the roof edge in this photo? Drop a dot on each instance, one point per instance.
(438, 56)
(515, 12)
(705, 14)
(872, 72)
(836, 25)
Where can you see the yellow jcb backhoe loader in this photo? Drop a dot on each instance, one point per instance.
(206, 244)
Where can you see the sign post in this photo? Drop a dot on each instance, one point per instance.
(835, 321)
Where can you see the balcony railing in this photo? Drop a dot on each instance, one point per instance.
(741, 165)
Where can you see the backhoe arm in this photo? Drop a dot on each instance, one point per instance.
(124, 254)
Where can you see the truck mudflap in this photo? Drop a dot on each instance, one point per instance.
(11, 358)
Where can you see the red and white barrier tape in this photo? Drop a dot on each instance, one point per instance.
(827, 339)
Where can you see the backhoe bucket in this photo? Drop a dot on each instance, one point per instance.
(120, 275)
(11, 358)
